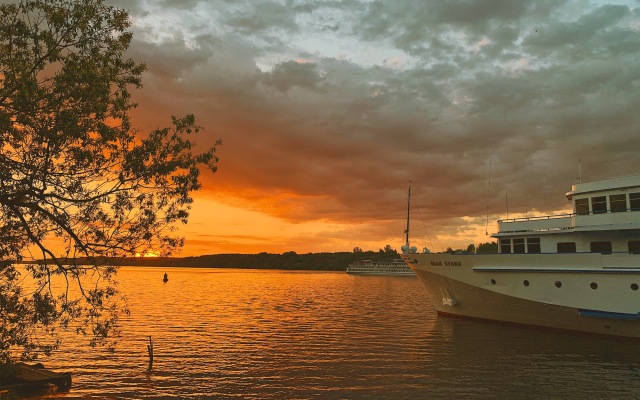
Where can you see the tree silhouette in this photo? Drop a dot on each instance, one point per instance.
(74, 172)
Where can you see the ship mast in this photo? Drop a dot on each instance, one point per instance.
(406, 232)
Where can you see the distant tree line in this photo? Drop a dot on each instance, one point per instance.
(489, 247)
(289, 260)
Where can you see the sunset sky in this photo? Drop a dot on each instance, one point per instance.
(328, 109)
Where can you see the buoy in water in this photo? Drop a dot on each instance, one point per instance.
(166, 277)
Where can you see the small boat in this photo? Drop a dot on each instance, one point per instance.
(577, 272)
(166, 278)
(30, 378)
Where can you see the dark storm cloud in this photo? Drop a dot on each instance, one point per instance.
(515, 91)
(291, 74)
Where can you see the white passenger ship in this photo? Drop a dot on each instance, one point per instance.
(578, 271)
(368, 267)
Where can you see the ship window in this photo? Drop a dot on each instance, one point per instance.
(533, 245)
(518, 246)
(634, 246)
(599, 204)
(525, 282)
(505, 245)
(594, 285)
(618, 202)
(558, 284)
(634, 286)
(601, 247)
(566, 247)
(582, 206)
(634, 201)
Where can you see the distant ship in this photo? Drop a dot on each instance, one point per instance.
(395, 267)
(577, 272)
(368, 267)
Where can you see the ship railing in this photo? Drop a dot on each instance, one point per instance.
(593, 220)
(537, 223)
(569, 215)
(537, 218)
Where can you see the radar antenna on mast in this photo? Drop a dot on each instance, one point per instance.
(579, 171)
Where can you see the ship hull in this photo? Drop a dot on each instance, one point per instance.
(570, 293)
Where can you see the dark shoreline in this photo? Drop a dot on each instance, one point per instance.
(286, 261)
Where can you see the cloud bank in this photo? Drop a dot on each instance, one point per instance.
(328, 109)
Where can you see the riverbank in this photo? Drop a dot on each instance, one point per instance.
(286, 261)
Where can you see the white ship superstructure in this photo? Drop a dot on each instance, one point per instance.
(578, 271)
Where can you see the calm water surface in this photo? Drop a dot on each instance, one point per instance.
(249, 334)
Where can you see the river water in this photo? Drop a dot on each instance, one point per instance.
(266, 334)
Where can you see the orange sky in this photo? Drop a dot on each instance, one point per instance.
(327, 111)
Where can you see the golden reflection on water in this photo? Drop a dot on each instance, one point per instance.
(255, 334)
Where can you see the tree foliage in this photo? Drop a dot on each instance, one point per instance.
(76, 179)
(489, 247)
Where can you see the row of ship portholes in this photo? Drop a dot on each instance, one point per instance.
(593, 285)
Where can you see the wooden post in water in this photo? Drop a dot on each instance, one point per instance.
(150, 350)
